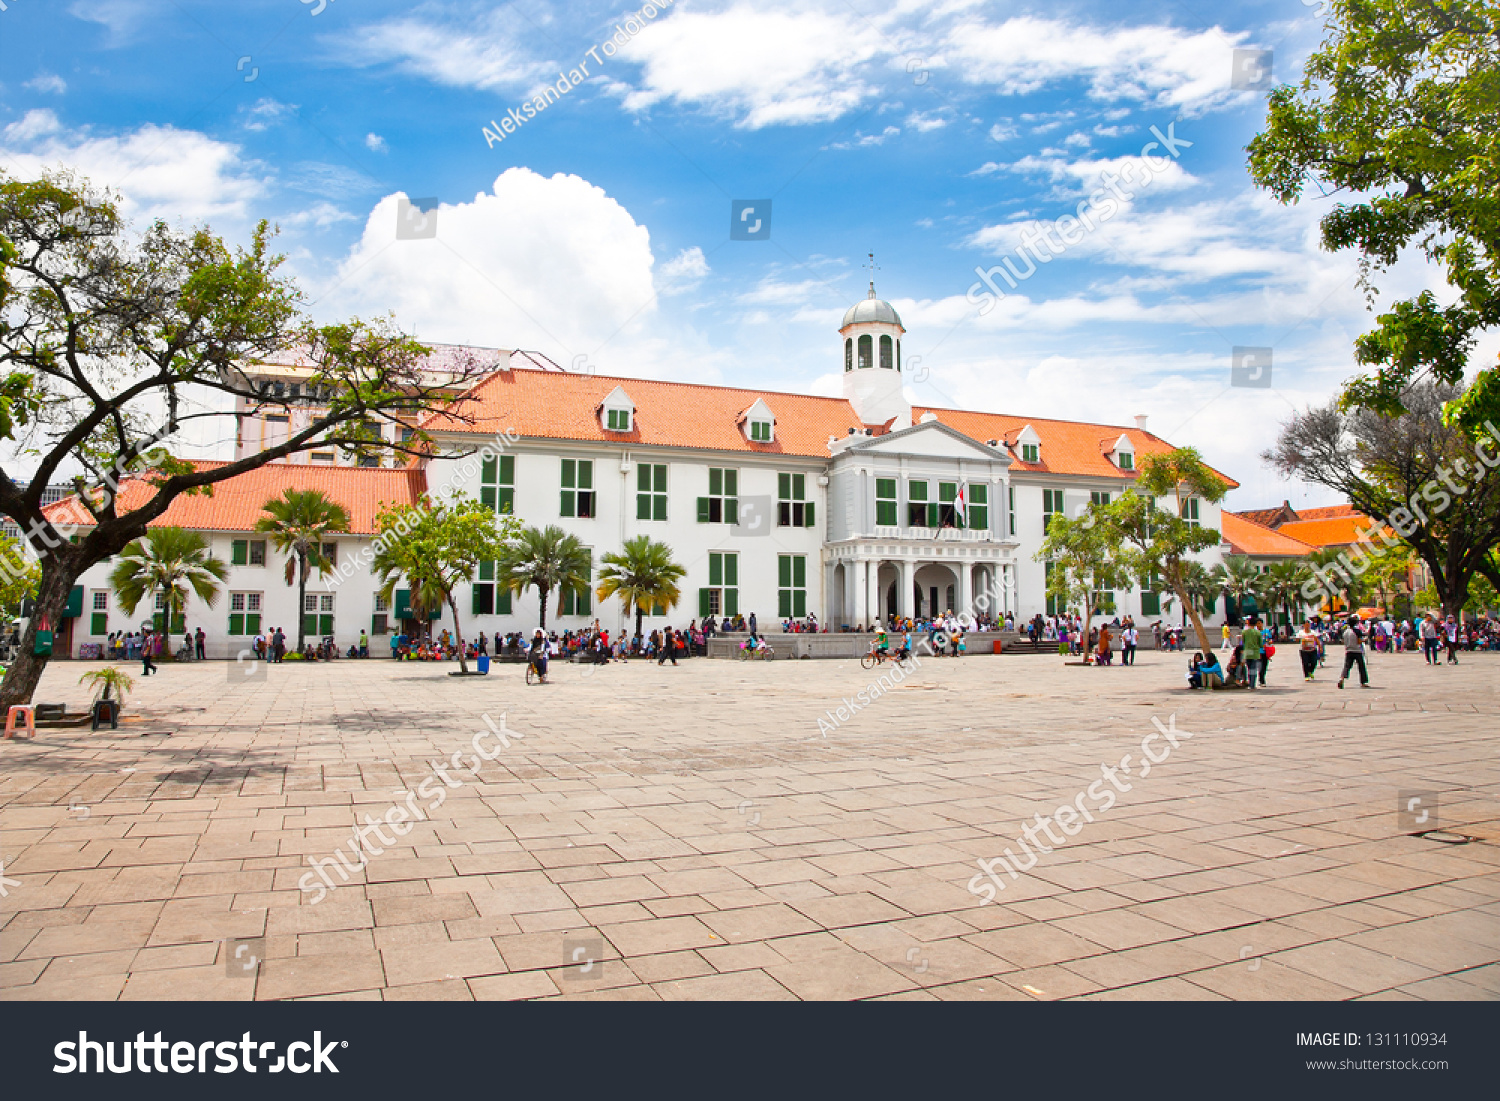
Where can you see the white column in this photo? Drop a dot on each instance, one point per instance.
(961, 592)
(903, 588)
(861, 592)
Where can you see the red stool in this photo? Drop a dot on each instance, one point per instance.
(27, 709)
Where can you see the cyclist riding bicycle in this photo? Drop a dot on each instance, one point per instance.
(882, 643)
(537, 656)
(905, 646)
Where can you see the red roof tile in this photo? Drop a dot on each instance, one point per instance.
(1245, 536)
(236, 504)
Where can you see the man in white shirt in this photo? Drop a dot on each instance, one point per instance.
(1354, 653)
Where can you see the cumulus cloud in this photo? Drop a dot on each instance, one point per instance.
(551, 263)
(375, 143)
(160, 171)
(684, 272)
(265, 113)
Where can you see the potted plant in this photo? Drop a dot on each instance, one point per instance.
(112, 686)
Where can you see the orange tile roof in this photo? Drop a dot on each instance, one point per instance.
(1337, 531)
(1068, 447)
(1330, 512)
(236, 504)
(1245, 536)
(550, 405)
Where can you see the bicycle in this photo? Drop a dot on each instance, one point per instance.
(877, 656)
(760, 653)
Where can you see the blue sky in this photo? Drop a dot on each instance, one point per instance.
(934, 134)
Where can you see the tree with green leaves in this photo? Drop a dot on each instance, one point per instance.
(1084, 561)
(1396, 113)
(298, 522)
(1423, 478)
(547, 560)
(642, 575)
(1201, 587)
(435, 546)
(1156, 542)
(18, 579)
(1283, 585)
(1240, 579)
(125, 340)
(168, 562)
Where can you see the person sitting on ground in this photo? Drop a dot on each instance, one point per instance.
(1236, 675)
(1209, 672)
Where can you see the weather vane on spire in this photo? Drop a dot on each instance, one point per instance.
(873, 269)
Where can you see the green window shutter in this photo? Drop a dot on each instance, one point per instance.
(565, 507)
(799, 602)
(947, 492)
(325, 625)
(75, 603)
(732, 601)
(659, 506)
(979, 493)
(932, 514)
(99, 623)
(808, 515)
(584, 600)
(799, 571)
(236, 623)
(731, 511)
(784, 487)
(252, 623)
(1150, 604)
(979, 517)
(569, 473)
(403, 604)
(502, 602)
(731, 569)
(156, 621)
(917, 491)
(643, 478)
(885, 487)
(474, 600)
(310, 624)
(179, 624)
(702, 510)
(239, 552)
(487, 570)
(488, 472)
(783, 603)
(643, 506)
(659, 476)
(885, 513)
(567, 601)
(716, 569)
(487, 497)
(585, 473)
(799, 486)
(507, 501)
(658, 609)
(703, 605)
(784, 570)
(731, 483)
(715, 482)
(507, 470)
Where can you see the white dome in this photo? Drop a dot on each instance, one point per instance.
(871, 309)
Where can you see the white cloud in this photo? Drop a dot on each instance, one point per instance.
(47, 82)
(923, 121)
(684, 272)
(122, 17)
(761, 67)
(860, 140)
(319, 215)
(1160, 65)
(265, 113)
(1003, 131)
(160, 171)
(469, 55)
(375, 143)
(548, 263)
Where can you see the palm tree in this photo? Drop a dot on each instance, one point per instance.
(297, 523)
(1283, 585)
(1346, 584)
(1200, 586)
(544, 559)
(642, 575)
(1239, 577)
(168, 561)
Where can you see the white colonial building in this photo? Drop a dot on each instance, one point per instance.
(853, 508)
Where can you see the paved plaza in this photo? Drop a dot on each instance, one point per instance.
(691, 833)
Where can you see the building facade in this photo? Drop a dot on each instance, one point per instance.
(851, 509)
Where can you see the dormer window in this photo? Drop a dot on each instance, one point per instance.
(1125, 460)
(759, 423)
(1029, 444)
(1123, 453)
(617, 411)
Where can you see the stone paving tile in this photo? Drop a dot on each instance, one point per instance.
(716, 857)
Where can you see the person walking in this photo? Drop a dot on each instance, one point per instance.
(669, 645)
(1250, 640)
(1450, 637)
(1307, 640)
(1354, 653)
(1227, 645)
(364, 643)
(1128, 641)
(1430, 639)
(752, 623)
(199, 641)
(148, 666)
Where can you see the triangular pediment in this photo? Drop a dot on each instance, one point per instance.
(932, 438)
